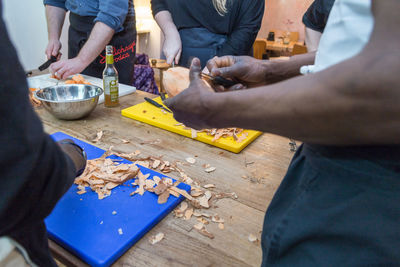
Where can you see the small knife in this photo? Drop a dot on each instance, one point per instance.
(154, 103)
(219, 80)
(47, 63)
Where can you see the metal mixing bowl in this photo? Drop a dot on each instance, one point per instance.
(69, 101)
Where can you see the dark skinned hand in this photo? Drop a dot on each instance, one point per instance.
(191, 106)
(247, 70)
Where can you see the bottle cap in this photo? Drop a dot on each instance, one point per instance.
(109, 49)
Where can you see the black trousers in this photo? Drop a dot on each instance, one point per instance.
(124, 44)
(336, 207)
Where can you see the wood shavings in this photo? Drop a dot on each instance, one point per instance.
(198, 226)
(206, 233)
(156, 238)
(217, 219)
(163, 197)
(182, 192)
(193, 133)
(188, 214)
(207, 186)
(156, 163)
(203, 221)
(196, 192)
(81, 192)
(120, 231)
(203, 201)
(252, 238)
(191, 160)
(102, 175)
(99, 135)
(210, 169)
(221, 226)
(124, 141)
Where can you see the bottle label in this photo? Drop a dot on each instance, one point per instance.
(111, 88)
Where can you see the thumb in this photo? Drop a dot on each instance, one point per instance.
(195, 70)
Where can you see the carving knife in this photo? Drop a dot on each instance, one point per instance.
(154, 103)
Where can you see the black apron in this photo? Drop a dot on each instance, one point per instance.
(336, 206)
(200, 43)
(124, 44)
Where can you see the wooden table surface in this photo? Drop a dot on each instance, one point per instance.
(253, 175)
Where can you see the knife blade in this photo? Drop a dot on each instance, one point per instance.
(219, 80)
(47, 63)
(154, 103)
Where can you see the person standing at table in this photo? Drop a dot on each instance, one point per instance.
(93, 25)
(207, 28)
(338, 204)
(35, 170)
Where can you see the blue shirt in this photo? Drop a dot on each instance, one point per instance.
(111, 12)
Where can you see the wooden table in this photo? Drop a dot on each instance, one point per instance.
(279, 46)
(253, 175)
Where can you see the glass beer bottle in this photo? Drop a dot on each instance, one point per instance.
(110, 80)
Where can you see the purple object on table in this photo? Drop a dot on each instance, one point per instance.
(143, 77)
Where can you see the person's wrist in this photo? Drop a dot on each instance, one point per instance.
(76, 153)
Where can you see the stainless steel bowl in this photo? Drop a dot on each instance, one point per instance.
(69, 101)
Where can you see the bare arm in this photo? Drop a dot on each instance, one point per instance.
(312, 39)
(55, 19)
(99, 37)
(353, 102)
(172, 46)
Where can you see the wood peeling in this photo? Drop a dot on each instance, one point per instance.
(156, 238)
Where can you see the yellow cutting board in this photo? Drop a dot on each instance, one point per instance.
(147, 113)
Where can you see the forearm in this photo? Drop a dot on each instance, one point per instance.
(280, 70)
(340, 106)
(312, 39)
(99, 37)
(55, 20)
(166, 23)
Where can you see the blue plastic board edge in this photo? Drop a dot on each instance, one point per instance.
(59, 216)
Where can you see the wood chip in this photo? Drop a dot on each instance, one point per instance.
(125, 141)
(156, 163)
(81, 192)
(198, 226)
(209, 186)
(188, 214)
(221, 226)
(203, 201)
(206, 233)
(217, 219)
(163, 197)
(191, 160)
(156, 238)
(182, 192)
(210, 169)
(99, 135)
(193, 133)
(252, 238)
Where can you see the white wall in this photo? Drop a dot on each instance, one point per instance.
(28, 31)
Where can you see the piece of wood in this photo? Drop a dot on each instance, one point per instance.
(263, 164)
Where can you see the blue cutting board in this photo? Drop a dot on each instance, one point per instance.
(85, 225)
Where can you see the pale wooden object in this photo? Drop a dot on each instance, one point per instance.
(175, 80)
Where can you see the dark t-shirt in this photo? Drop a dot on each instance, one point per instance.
(35, 173)
(317, 14)
(241, 24)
